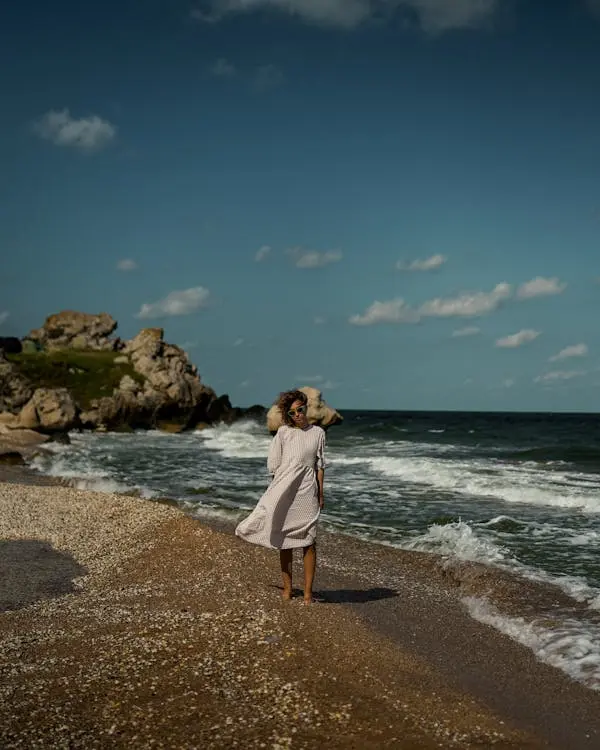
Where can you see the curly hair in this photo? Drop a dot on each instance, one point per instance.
(285, 401)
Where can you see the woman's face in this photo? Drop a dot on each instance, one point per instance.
(297, 412)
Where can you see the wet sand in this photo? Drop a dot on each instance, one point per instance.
(125, 623)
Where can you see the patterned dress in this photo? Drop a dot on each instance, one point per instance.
(286, 515)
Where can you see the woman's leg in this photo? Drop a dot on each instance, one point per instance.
(310, 566)
(286, 558)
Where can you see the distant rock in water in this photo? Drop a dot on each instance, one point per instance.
(319, 412)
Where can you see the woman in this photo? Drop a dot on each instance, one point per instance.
(286, 515)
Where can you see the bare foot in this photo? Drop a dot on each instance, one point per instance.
(286, 595)
(309, 600)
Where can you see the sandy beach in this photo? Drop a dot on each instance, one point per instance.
(125, 623)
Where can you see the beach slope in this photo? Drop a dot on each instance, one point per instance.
(125, 623)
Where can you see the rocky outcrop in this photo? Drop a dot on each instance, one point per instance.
(170, 395)
(15, 389)
(49, 410)
(71, 373)
(319, 412)
(76, 330)
(24, 443)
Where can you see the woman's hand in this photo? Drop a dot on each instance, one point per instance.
(321, 502)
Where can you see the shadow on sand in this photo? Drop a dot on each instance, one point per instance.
(348, 596)
(31, 570)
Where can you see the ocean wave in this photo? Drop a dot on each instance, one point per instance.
(488, 479)
(460, 541)
(240, 440)
(566, 643)
(575, 454)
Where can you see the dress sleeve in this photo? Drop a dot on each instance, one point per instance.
(275, 452)
(321, 451)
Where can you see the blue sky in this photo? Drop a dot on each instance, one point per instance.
(395, 200)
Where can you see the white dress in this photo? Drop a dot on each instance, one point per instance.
(286, 515)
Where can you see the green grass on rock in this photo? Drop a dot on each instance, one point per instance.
(86, 374)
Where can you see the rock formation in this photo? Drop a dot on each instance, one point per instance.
(15, 389)
(73, 373)
(318, 412)
(168, 391)
(76, 330)
(49, 410)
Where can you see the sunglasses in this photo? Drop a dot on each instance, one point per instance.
(294, 412)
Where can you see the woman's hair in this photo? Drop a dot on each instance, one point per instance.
(285, 401)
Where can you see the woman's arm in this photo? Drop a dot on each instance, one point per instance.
(321, 469)
(275, 453)
(320, 481)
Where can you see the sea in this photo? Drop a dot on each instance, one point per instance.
(518, 492)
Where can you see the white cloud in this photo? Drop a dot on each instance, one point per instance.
(182, 302)
(508, 383)
(223, 68)
(244, 383)
(468, 304)
(464, 305)
(238, 342)
(438, 16)
(310, 378)
(577, 350)
(313, 258)
(4, 316)
(540, 287)
(262, 253)
(427, 264)
(86, 134)
(434, 16)
(267, 77)
(468, 331)
(340, 13)
(558, 375)
(518, 339)
(319, 321)
(127, 264)
(393, 311)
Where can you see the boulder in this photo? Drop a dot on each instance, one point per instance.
(319, 412)
(23, 442)
(9, 420)
(76, 330)
(10, 345)
(49, 410)
(148, 342)
(173, 391)
(15, 389)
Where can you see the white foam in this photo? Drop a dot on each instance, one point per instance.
(509, 483)
(460, 541)
(570, 645)
(239, 440)
(82, 473)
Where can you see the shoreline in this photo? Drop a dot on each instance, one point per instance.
(406, 605)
